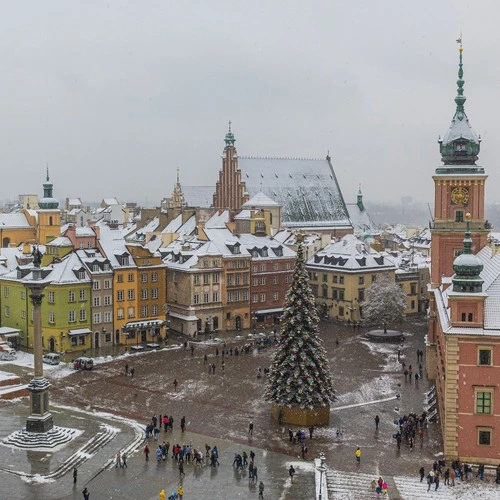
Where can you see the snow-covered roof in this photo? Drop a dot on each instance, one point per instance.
(491, 289)
(264, 247)
(260, 200)
(140, 234)
(218, 220)
(361, 221)
(113, 245)
(460, 128)
(307, 189)
(198, 196)
(60, 241)
(350, 255)
(14, 220)
(84, 232)
(74, 202)
(110, 201)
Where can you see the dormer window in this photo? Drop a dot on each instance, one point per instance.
(236, 248)
(264, 252)
(95, 268)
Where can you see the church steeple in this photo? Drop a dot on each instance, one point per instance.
(177, 200)
(229, 139)
(460, 145)
(360, 199)
(230, 190)
(48, 202)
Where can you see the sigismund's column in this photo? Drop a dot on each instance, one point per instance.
(40, 419)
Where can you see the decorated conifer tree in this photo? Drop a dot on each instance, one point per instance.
(299, 383)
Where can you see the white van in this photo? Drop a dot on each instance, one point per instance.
(52, 358)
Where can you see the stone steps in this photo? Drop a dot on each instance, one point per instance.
(351, 485)
(91, 447)
(17, 390)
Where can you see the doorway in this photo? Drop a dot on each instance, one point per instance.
(238, 323)
(52, 344)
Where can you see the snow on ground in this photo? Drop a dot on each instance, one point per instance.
(386, 351)
(356, 485)
(379, 388)
(6, 376)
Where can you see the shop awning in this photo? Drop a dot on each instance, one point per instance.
(143, 324)
(7, 332)
(79, 331)
(181, 316)
(269, 311)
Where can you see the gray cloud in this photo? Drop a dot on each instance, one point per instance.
(114, 96)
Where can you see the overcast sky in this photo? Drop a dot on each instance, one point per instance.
(114, 95)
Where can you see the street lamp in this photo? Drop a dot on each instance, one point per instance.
(254, 322)
(322, 469)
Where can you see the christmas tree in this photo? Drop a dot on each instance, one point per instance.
(299, 376)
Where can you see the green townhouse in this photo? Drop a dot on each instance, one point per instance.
(66, 305)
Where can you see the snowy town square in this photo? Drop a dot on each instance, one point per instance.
(217, 398)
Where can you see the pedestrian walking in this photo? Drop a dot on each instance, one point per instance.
(311, 430)
(261, 490)
(291, 473)
(180, 491)
(124, 460)
(304, 451)
(422, 473)
(250, 428)
(132, 371)
(183, 424)
(358, 456)
(118, 459)
(86, 493)
(126, 369)
(377, 421)
(181, 468)
(205, 359)
(146, 452)
(75, 475)
(430, 479)
(192, 350)
(175, 384)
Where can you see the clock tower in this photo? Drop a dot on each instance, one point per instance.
(459, 190)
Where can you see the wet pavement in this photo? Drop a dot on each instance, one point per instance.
(218, 408)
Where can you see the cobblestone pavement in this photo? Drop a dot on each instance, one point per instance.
(218, 408)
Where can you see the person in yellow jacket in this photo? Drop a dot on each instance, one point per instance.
(162, 495)
(180, 491)
(358, 456)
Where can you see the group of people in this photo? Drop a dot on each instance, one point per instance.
(457, 471)
(157, 423)
(410, 426)
(379, 486)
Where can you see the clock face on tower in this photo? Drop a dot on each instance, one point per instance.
(460, 196)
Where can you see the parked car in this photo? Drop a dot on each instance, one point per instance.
(51, 358)
(83, 363)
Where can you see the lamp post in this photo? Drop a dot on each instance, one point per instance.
(322, 469)
(254, 322)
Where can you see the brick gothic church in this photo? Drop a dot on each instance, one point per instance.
(463, 347)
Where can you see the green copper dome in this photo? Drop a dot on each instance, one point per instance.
(467, 268)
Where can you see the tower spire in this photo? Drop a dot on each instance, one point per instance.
(48, 178)
(460, 98)
(460, 145)
(229, 140)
